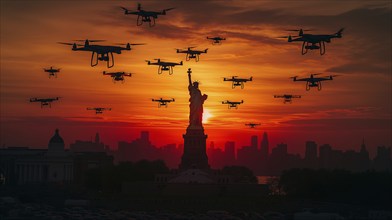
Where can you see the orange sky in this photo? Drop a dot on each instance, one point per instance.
(357, 104)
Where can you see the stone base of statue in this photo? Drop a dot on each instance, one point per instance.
(195, 155)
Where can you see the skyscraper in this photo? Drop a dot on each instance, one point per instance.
(311, 151)
(253, 141)
(264, 147)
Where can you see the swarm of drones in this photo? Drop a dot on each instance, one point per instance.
(105, 53)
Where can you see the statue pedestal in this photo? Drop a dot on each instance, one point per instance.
(194, 156)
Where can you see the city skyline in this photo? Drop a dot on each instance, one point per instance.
(354, 106)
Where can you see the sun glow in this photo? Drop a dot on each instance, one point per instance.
(206, 115)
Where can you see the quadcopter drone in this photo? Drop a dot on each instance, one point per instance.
(237, 81)
(252, 125)
(216, 40)
(102, 52)
(45, 101)
(192, 54)
(117, 76)
(287, 98)
(52, 71)
(163, 102)
(313, 81)
(231, 104)
(313, 41)
(164, 66)
(145, 16)
(99, 110)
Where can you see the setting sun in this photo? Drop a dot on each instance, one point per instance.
(206, 115)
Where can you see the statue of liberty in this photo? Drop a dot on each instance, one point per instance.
(196, 103)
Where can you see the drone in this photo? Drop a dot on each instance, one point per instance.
(102, 52)
(164, 66)
(145, 16)
(287, 98)
(192, 54)
(314, 81)
(99, 110)
(216, 40)
(45, 101)
(313, 41)
(163, 102)
(117, 76)
(232, 104)
(52, 71)
(237, 81)
(252, 125)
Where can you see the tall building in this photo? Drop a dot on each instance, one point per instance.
(253, 141)
(264, 147)
(311, 151)
(230, 152)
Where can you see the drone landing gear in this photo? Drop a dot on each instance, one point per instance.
(304, 47)
(322, 47)
(307, 86)
(102, 57)
(319, 86)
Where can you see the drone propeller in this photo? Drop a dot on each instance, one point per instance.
(335, 75)
(293, 77)
(70, 44)
(300, 30)
(90, 40)
(168, 9)
(286, 37)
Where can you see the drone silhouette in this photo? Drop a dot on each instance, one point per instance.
(252, 125)
(232, 104)
(313, 81)
(45, 101)
(117, 76)
(216, 40)
(164, 66)
(145, 16)
(313, 41)
(237, 81)
(102, 52)
(192, 54)
(163, 102)
(52, 71)
(287, 98)
(99, 110)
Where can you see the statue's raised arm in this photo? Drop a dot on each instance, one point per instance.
(189, 76)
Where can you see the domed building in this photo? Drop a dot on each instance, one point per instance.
(56, 144)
